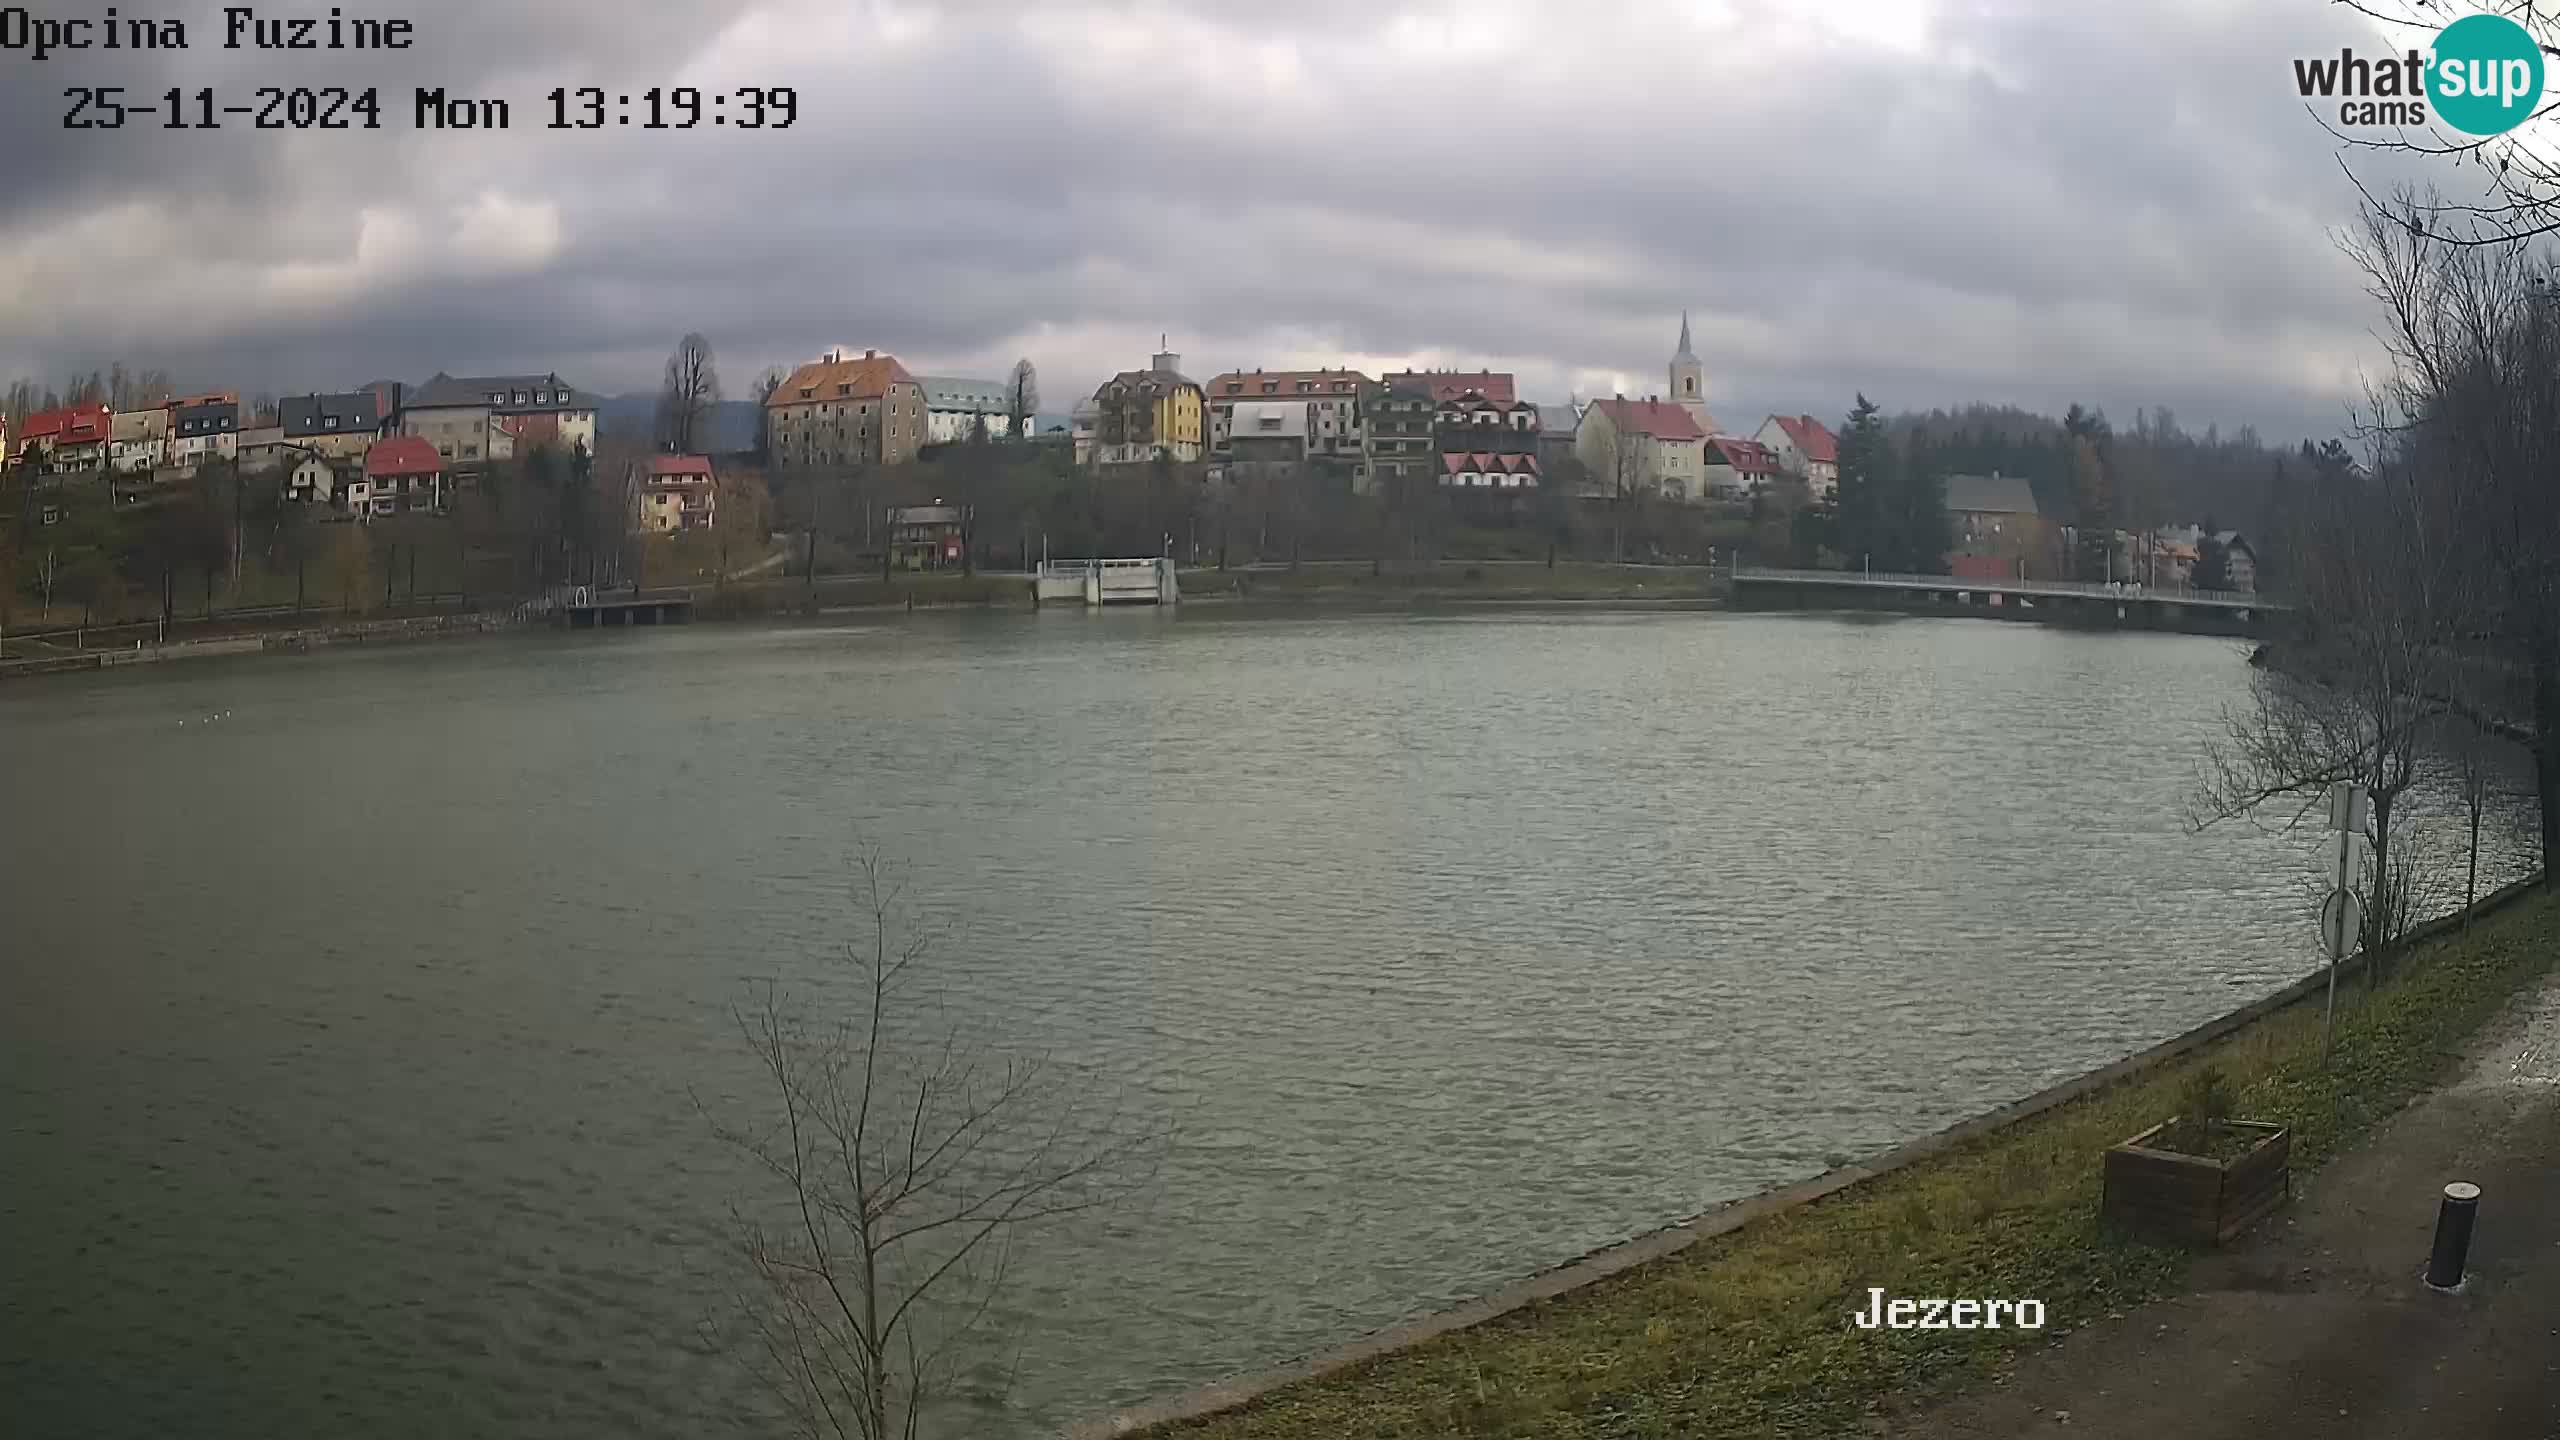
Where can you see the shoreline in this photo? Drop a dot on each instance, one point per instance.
(1255, 594)
(1311, 1395)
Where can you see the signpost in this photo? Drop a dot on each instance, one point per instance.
(2341, 915)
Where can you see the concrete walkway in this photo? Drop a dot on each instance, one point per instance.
(2317, 1325)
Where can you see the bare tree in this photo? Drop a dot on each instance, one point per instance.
(766, 383)
(2385, 599)
(903, 1159)
(2518, 195)
(686, 399)
(2473, 333)
(1022, 397)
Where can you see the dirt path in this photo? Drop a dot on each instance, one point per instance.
(2318, 1325)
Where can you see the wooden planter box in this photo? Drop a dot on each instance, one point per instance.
(2191, 1198)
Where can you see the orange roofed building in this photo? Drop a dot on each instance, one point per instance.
(842, 410)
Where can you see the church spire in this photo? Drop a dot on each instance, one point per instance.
(1684, 351)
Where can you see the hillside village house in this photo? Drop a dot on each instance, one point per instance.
(473, 420)
(71, 437)
(204, 427)
(1140, 415)
(1648, 446)
(1486, 438)
(262, 447)
(1557, 426)
(839, 410)
(1265, 432)
(929, 537)
(402, 472)
(953, 408)
(670, 493)
(1397, 418)
(1994, 529)
(2239, 563)
(341, 427)
(1737, 469)
(1329, 401)
(138, 441)
(313, 479)
(1805, 449)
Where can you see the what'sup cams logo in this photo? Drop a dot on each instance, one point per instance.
(2483, 76)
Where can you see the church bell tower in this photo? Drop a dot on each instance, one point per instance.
(1688, 377)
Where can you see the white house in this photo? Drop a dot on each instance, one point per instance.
(312, 480)
(953, 406)
(204, 429)
(1805, 449)
(1650, 445)
(138, 442)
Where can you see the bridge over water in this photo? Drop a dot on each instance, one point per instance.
(2060, 602)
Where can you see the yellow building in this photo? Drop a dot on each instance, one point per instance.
(1141, 415)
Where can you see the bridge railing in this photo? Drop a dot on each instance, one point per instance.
(1900, 579)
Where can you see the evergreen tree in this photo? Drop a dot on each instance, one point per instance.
(2213, 564)
(1924, 533)
(1866, 462)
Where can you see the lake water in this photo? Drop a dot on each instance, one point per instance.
(352, 1007)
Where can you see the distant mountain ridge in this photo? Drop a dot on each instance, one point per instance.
(635, 418)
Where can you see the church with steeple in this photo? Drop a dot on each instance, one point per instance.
(1689, 380)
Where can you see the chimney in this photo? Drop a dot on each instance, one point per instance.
(870, 354)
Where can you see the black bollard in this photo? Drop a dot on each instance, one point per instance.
(2454, 1217)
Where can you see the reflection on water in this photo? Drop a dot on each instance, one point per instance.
(346, 1044)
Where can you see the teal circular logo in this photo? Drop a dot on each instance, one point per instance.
(2486, 76)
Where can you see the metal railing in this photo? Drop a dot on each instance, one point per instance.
(2118, 590)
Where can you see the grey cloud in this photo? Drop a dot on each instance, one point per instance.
(2114, 203)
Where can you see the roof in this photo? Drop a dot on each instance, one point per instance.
(1747, 457)
(869, 378)
(1811, 437)
(1165, 378)
(1285, 420)
(140, 424)
(1990, 495)
(402, 455)
(2234, 540)
(1449, 384)
(1454, 461)
(679, 467)
(978, 397)
(1660, 419)
(1559, 419)
(74, 424)
(926, 515)
(1283, 384)
(542, 392)
(1684, 352)
(350, 410)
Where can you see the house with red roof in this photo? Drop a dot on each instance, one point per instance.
(671, 493)
(1737, 469)
(401, 472)
(69, 438)
(1447, 385)
(1806, 450)
(1488, 470)
(1651, 446)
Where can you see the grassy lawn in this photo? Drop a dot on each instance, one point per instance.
(1748, 1334)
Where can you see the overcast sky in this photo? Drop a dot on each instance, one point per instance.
(1931, 200)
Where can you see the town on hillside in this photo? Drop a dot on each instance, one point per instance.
(851, 461)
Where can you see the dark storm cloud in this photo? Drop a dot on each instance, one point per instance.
(2014, 201)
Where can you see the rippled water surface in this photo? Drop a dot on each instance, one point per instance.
(352, 1007)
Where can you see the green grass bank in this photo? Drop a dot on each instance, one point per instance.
(1748, 1333)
